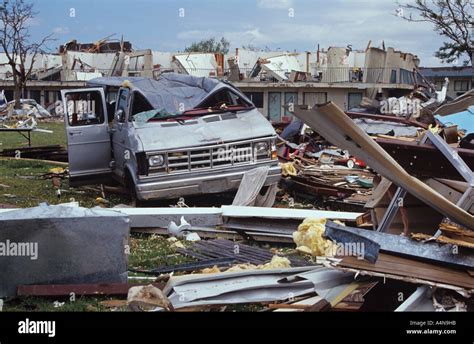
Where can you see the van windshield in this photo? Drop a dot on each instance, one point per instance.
(221, 101)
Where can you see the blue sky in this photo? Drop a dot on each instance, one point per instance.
(157, 24)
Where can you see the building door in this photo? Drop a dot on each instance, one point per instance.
(274, 106)
(354, 100)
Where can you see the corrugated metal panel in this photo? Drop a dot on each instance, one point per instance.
(198, 64)
(283, 64)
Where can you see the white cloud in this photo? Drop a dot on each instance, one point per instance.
(61, 30)
(250, 35)
(196, 34)
(275, 4)
(336, 23)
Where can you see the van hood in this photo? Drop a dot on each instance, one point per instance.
(200, 131)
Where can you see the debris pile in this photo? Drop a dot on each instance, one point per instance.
(414, 231)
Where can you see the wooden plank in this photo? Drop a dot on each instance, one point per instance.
(413, 269)
(287, 306)
(450, 194)
(312, 304)
(77, 289)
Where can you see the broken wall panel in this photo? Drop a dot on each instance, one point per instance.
(62, 245)
(403, 246)
(425, 160)
(411, 270)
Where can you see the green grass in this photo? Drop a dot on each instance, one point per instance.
(23, 186)
(14, 140)
(152, 251)
(41, 304)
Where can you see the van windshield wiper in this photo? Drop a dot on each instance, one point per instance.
(216, 109)
(157, 115)
(146, 116)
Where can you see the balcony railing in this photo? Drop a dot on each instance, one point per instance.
(339, 75)
(322, 75)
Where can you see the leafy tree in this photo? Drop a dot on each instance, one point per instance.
(210, 45)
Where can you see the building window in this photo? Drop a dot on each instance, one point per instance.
(256, 98)
(9, 95)
(406, 76)
(354, 99)
(461, 85)
(314, 98)
(36, 95)
(393, 76)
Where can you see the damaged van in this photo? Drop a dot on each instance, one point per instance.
(174, 136)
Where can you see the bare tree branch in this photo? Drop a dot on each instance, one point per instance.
(452, 19)
(15, 42)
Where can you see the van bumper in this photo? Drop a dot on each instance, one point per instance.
(198, 184)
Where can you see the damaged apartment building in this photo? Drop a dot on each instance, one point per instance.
(461, 79)
(272, 80)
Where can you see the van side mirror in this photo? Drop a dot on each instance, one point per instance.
(119, 116)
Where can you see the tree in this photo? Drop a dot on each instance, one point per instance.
(210, 45)
(452, 19)
(251, 47)
(21, 54)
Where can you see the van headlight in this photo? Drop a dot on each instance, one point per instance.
(261, 148)
(156, 161)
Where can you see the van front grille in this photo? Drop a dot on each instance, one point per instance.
(210, 157)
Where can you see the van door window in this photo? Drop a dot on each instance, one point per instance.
(84, 108)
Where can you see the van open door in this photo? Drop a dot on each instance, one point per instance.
(88, 137)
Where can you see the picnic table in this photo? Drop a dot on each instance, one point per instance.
(25, 132)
